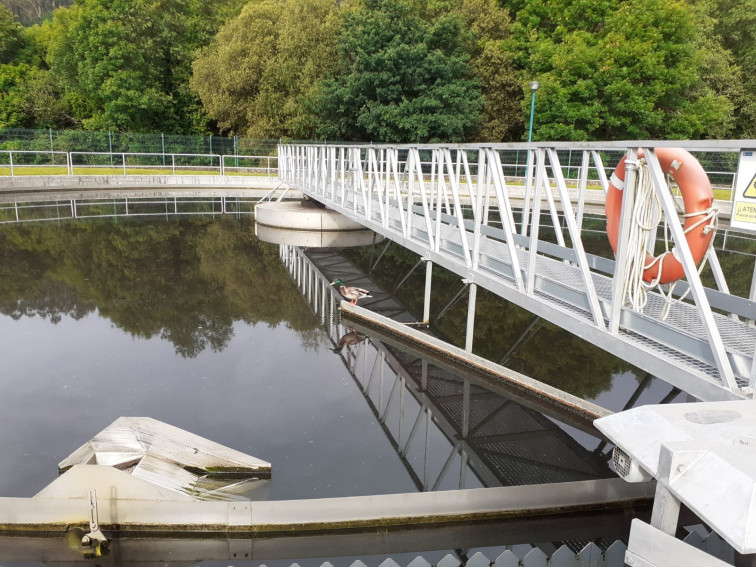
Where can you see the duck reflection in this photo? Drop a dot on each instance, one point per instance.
(350, 338)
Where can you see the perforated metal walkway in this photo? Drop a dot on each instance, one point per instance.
(704, 347)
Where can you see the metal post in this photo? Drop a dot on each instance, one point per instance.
(10, 157)
(524, 223)
(428, 278)
(752, 293)
(471, 299)
(666, 511)
(162, 143)
(427, 448)
(52, 155)
(465, 408)
(110, 147)
(211, 150)
(621, 256)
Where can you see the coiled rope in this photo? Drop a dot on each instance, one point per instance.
(647, 214)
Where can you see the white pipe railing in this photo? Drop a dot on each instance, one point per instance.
(27, 162)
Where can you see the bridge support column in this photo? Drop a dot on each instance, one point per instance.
(428, 278)
(471, 299)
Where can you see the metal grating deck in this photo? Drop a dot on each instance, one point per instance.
(675, 350)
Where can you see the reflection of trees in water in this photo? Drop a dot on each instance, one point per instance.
(549, 354)
(184, 280)
(28, 290)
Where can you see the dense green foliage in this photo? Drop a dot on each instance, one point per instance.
(125, 64)
(400, 79)
(614, 70)
(253, 75)
(10, 36)
(383, 70)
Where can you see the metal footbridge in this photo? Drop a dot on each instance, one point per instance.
(458, 207)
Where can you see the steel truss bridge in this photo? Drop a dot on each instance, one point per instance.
(458, 207)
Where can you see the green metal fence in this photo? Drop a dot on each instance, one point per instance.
(116, 142)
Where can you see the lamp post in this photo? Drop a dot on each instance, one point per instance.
(533, 87)
(525, 210)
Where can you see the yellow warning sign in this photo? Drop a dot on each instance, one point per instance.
(750, 190)
(745, 212)
(744, 201)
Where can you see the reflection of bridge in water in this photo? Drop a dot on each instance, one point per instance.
(50, 207)
(443, 426)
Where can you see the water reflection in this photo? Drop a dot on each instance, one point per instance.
(507, 333)
(440, 421)
(195, 322)
(350, 338)
(186, 281)
(191, 321)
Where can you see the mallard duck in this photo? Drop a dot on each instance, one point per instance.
(351, 338)
(351, 293)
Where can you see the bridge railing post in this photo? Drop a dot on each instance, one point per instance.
(505, 213)
(536, 221)
(573, 229)
(691, 272)
(621, 255)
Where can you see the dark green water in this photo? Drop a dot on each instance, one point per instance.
(195, 322)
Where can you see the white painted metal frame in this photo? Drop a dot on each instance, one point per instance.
(455, 208)
(69, 159)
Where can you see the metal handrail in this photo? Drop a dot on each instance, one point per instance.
(169, 160)
(419, 207)
(125, 155)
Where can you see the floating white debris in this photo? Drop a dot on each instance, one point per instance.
(169, 458)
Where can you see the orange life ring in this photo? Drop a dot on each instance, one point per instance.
(697, 199)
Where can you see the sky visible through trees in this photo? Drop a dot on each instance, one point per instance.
(382, 70)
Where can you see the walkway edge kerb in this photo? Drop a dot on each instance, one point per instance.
(357, 513)
(568, 403)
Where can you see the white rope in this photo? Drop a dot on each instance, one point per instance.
(709, 216)
(647, 214)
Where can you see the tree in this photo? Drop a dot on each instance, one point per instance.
(260, 66)
(10, 35)
(13, 102)
(731, 30)
(617, 70)
(500, 84)
(45, 103)
(400, 78)
(125, 64)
